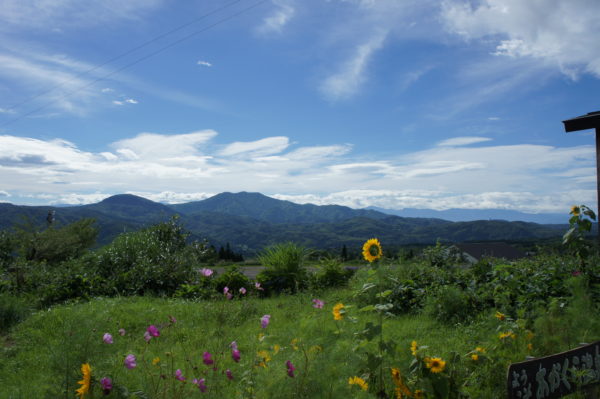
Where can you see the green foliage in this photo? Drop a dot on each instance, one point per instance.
(284, 268)
(153, 260)
(580, 224)
(13, 310)
(7, 248)
(451, 304)
(330, 273)
(441, 255)
(56, 244)
(233, 279)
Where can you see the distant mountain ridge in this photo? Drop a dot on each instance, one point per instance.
(251, 221)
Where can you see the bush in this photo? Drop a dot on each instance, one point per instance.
(451, 304)
(13, 310)
(233, 279)
(331, 274)
(284, 268)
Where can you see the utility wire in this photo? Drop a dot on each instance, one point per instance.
(160, 50)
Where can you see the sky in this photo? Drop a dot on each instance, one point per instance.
(388, 103)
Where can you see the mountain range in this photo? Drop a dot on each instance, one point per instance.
(251, 221)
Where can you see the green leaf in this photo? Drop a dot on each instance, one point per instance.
(384, 294)
(384, 307)
(367, 308)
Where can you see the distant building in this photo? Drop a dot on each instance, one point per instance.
(474, 252)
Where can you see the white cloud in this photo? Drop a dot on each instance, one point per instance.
(468, 173)
(352, 74)
(556, 32)
(117, 102)
(131, 101)
(204, 63)
(275, 22)
(107, 90)
(460, 141)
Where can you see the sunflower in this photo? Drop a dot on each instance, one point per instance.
(86, 370)
(474, 357)
(435, 364)
(372, 250)
(500, 316)
(358, 381)
(575, 210)
(338, 311)
(413, 348)
(401, 388)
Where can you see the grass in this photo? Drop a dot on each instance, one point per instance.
(50, 346)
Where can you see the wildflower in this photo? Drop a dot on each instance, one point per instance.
(106, 385)
(235, 354)
(107, 338)
(290, 368)
(229, 374)
(294, 344)
(147, 336)
(258, 287)
(225, 290)
(264, 321)
(233, 345)
(413, 348)
(85, 382)
(130, 362)
(474, 357)
(372, 250)
(264, 355)
(155, 361)
(500, 316)
(480, 349)
(153, 331)
(338, 311)
(207, 358)
(172, 319)
(121, 332)
(243, 291)
(276, 349)
(206, 272)
(318, 304)
(229, 295)
(575, 210)
(200, 383)
(435, 364)
(358, 381)
(179, 375)
(508, 334)
(401, 388)
(261, 337)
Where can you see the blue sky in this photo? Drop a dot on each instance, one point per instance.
(396, 104)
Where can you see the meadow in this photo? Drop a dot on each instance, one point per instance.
(144, 318)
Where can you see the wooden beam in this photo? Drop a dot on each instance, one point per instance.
(584, 122)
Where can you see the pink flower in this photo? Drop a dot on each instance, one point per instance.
(233, 345)
(229, 295)
(121, 331)
(147, 336)
(107, 338)
(576, 273)
(229, 374)
(207, 358)
(242, 291)
(258, 287)
(235, 354)
(200, 384)
(225, 290)
(264, 321)
(106, 384)
(153, 331)
(130, 362)
(178, 375)
(318, 304)
(290, 368)
(206, 272)
(172, 319)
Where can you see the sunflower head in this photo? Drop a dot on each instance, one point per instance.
(372, 250)
(575, 210)
(85, 382)
(435, 364)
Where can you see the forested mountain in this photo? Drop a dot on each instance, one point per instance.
(250, 221)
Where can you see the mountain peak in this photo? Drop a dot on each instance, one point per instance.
(126, 199)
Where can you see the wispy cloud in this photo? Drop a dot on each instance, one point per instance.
(204, 63)
(280, 16)
(464, 172)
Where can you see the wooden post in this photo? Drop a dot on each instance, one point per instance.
(598, 181)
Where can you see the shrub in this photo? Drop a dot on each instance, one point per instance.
(12, 311)
(451, 304)
(331, 274)
(233, 279)
(284, 268)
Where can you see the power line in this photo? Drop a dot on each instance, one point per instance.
(160, 50)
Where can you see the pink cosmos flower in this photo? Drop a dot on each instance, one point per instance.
(207, 358)
(153, 331)
(318, 304)
(229, 295)
(258, 287)
(206, 272)
(290, 368)
(130, 362)
(264, 321)
(235, 354)
(179, 376)
(225, 290)
(106, 384)
(147, 336)
(242, 291)
(107, 338)
(121, 331)
(233, 345)
(229, 374)
(200, 383)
